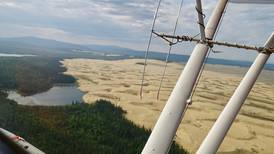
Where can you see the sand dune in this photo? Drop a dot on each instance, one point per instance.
(119, 81)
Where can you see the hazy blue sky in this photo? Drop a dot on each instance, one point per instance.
(127, 23)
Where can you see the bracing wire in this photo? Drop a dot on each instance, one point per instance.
(205, 61)
(170, 48)
(148, 47)
(199, 78)
(196, 35)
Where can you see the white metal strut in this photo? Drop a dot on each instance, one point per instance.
(219, 130)
(165, 129)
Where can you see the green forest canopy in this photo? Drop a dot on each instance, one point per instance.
(31, 75)
(79, 128)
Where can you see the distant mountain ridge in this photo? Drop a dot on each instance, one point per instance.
(47, 43)
(47, 47)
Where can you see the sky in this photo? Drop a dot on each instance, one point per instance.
(127, 23)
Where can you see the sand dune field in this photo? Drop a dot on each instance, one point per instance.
(119, 82)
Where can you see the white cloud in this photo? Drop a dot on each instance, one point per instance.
(128, 22)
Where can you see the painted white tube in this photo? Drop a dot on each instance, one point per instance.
(219, 130)
(165, 129)
(18, 144)
(199, 10)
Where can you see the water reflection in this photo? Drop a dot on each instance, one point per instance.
(58, 95)
(15, 55)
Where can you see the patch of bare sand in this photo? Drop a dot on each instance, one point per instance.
(119, 82)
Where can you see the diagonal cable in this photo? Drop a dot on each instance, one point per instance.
(148, 48)
(170, 48)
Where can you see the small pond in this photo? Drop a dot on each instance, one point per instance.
(58, 95)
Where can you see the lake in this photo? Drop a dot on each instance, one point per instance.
(15, 55)
(58, 95)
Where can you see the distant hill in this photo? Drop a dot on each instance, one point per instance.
(47, 47)
(39, 46)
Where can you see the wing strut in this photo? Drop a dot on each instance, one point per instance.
(164, 131)
(219, 130)
(201, 17)
(18, 144)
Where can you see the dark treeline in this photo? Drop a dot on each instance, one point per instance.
(79, 128)
(31, 75)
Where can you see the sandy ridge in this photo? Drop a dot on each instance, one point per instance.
(119, 81)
